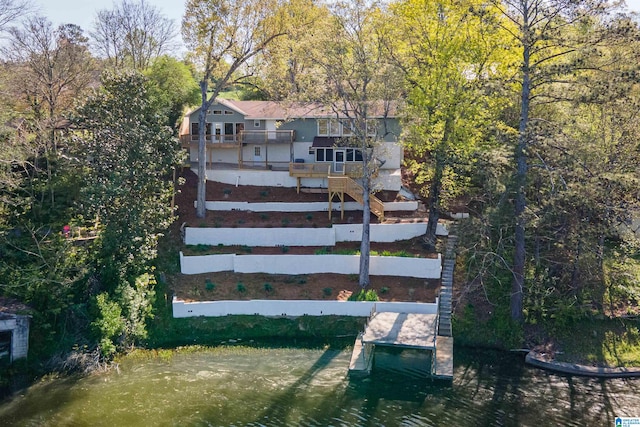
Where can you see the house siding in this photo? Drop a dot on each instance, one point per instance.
(278, 155)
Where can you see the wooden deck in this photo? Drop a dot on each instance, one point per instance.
(361, 360)
(443, 366)
(407, 330)
(410, 330)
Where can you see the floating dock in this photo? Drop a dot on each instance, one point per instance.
(407, 330)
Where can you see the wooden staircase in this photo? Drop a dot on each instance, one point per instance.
(340, 184)
(446, 288)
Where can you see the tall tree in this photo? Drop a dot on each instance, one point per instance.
(450, 53)
(545, 33)
(174, 87)
(224, 36)
(359, 87)
(133, 34)
(51, 68)
(585, 184)
(289, 71)
(129, 154)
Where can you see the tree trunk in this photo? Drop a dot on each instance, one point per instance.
(517, 287)
(365, 243)
(202, 153)
(429, 240)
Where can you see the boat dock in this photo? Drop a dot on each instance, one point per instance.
(408, 330)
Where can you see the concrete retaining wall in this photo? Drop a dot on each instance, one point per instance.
(302, 207)
(427, 268)
(296, 308)
(206, 263)
(384, 232)
(304, 236)
(260, 236)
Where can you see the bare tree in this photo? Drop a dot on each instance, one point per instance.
(132, 34)
(224, 36)
(357, 84)
(51, 66)
(49, 70)
(10, 10)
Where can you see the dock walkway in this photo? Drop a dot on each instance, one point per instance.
(406, 330)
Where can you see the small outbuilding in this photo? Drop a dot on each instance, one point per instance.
(14, 330)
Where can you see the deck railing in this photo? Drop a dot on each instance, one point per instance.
(267, 136)
(310, 170)
(245, 136)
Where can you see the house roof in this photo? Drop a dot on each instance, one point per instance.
(10, 307)
(324, 141)
(281, 110)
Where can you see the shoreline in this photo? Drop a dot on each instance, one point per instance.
(537, 360)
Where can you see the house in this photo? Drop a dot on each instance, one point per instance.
(272, 143)
(14, 330)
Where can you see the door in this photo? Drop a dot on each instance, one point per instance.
(228, 132)
(257, 154)
(338, 161)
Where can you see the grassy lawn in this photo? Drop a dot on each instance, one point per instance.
(601, 342)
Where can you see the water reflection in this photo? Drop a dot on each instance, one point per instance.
(243, 386)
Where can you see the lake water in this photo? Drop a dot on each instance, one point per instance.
(245, 386)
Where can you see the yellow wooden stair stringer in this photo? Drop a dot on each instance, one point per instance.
(339, 185)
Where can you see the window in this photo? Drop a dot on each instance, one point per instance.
(354, 155)
(328, 156)
(195, 128)
(217, 112)
(324, 154)
(346, 128)
(323, 127)
(228, 112)
(256, 123)
(335, 127)
(256, 151)
(329, 127)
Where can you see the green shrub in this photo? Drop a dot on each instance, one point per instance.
(365, 295)
(264, 193)
(240, 287)
(267, 287)
(247, 249)
(327, 291)
(302, 280)
(309, 217)
(384, 290)
(285, 222)
(227, 191)
(264, 216)
(285, 249)
(209, 285)
(199, 247)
